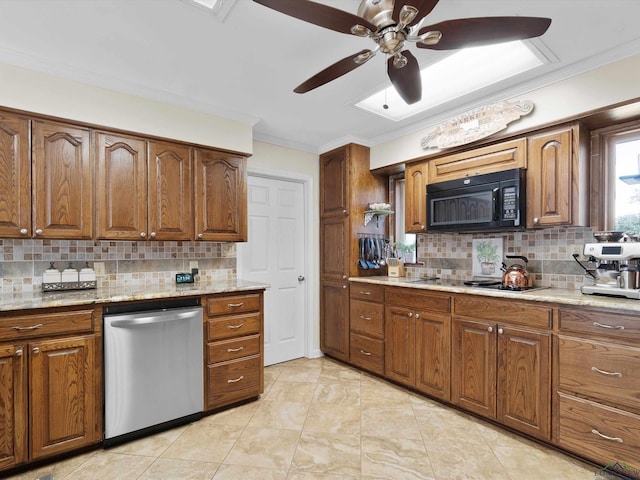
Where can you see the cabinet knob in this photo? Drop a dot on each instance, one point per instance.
(152, 234)
(344, 277)
(410, 314)
(417, 316)
(200, 236)
(23, 231)
(344, 211)
(38, 231)
(36, 350)
(500, 331)
(143, 234)
(490, 329)
(536, 220)
(19, 352)
(344, 286)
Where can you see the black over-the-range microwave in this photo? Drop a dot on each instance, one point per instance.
(488, 202)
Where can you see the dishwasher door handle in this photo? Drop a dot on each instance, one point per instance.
(151, 320)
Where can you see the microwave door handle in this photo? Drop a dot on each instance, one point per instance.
(495, 203)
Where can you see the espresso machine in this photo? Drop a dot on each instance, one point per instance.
(617, 273)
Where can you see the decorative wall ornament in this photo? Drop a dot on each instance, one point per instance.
(475, 124)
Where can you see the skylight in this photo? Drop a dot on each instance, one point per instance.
(459, 74)
(218, 8)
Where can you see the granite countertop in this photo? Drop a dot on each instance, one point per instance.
(553, 295)
(122, 293)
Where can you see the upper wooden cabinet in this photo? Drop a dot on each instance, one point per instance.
(334, 182)
(220, 196)
(170, 191)
(415, 204)
(493, 158)
(15, 177)
(121, 187)
(62, 183)
(557, 180)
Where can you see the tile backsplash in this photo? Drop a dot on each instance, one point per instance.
(133, 263)
(449, 256)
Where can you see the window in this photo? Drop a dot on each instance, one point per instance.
(397, 193)
(619, 150)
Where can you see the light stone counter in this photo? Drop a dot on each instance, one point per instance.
(123, 293)
(553, 295)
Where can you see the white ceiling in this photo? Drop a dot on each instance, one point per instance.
(246, 65)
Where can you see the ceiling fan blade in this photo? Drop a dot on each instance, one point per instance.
(334, 71)
(474, 32)
(406, 80)
(424, 8)
(318, 14)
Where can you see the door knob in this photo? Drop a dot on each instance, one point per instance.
(301, 278)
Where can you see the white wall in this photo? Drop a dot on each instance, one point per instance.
(46, 94)
(604, 86)
(295, 163)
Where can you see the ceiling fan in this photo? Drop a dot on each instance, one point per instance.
(390, 24)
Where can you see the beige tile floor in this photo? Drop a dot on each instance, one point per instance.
(321, 420)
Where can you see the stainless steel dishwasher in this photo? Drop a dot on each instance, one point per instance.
(153, 367)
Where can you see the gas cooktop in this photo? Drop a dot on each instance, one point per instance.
(474, 283)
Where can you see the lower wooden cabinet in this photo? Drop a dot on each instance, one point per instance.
(366, 313)
(234, 354)
(334, 310)
(502, 371)
(50, 387)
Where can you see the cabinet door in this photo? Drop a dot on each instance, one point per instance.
(415, 214)
(170, 187)
(62, 181)
(334, 248)
(63, 401)
(433, 354)
(334, 323)
(524, 381)
(220, 196)
(400, 345)
(121, 187)
(334, 183)
(473, 383)
(13, 406)
(15, 181)
(550, 179)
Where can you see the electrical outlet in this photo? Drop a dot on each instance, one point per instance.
(576, 249)
(98, 267)
(193, 264)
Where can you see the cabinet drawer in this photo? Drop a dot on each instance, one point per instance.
(367, 291)
(416, 298)
(584, 426)
(233, 326)
(233, 348)
(600, 370)
(507, 311)
(367, 353)
(367, 318)
(233, 304)
(233, 381)
(600, 322)
(18, 327)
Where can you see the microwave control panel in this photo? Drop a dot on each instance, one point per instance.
(510, 203)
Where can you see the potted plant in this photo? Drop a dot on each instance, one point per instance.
(406, 251)
(487, 255)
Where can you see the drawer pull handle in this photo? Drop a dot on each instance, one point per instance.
(231, 350)
(364, 293)
(368, 354)
(233, 327)
(604, 325)
(20, 329)
(603, 372)
(613, 439)
(365, 318)
(241, 377)
(235, 305)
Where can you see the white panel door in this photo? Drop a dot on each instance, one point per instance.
(275, 254)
